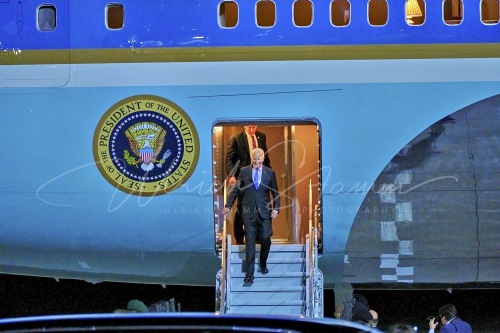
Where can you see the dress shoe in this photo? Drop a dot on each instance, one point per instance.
(264, 270)
(248, 278)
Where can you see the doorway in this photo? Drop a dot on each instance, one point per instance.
(293, 148)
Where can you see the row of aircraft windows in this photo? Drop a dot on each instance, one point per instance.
(340, 12)
(303, 13)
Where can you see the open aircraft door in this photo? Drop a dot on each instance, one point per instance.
(44, 25)
(294, 151)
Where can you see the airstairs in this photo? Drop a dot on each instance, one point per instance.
(293, 286)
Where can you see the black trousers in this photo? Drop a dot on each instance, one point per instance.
(239, 231)
(257, 228)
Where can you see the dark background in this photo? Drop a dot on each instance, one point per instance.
(31, 296)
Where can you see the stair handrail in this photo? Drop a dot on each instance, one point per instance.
(318, 275)
(225, 262)
(228, 273)
(309, 260)
(224, 269)
(313, 299)
(306, 294)
(316, 286)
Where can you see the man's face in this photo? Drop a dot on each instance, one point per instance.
(257, 160)
(251, 129)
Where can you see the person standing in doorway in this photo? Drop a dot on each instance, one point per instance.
(255, 187)
(238, 156)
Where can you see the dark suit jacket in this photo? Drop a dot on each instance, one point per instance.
(457, 325)
(238, 152)
(361, 309)
(256, 200)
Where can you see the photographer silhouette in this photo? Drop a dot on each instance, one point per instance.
(449, 321)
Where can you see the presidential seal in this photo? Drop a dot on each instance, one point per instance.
(146, 145)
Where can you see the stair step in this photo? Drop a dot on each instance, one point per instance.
(270, 275)
(271, 256)
(277, 251)
(273, 260)
(283, 310)
(265, 303)
(268, 283)
(265, 297)
(267, 289)
(273, 268)
(272, 279)
(274, 248)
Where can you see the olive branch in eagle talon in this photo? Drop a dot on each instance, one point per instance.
(129, 159)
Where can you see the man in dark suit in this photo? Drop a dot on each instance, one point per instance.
(255, 186)
(451, 323)
(238, 156)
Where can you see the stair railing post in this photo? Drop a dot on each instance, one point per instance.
(306, 309)
(227, 300)
(318, 281)
(223, 282)
(311, 258)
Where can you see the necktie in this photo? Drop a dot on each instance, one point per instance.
(256, 178)
(254, 142)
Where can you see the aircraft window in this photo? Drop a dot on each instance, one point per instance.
(115, 16)
(302, 13)
(228, 14)
(378, 12)
(415, 12)
(46, 18)
(452, 11)
(490, 11)
(265, 12)
(340, 13)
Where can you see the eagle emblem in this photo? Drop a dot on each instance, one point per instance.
(146, 142)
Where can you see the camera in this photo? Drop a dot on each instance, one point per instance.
(435, 318)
